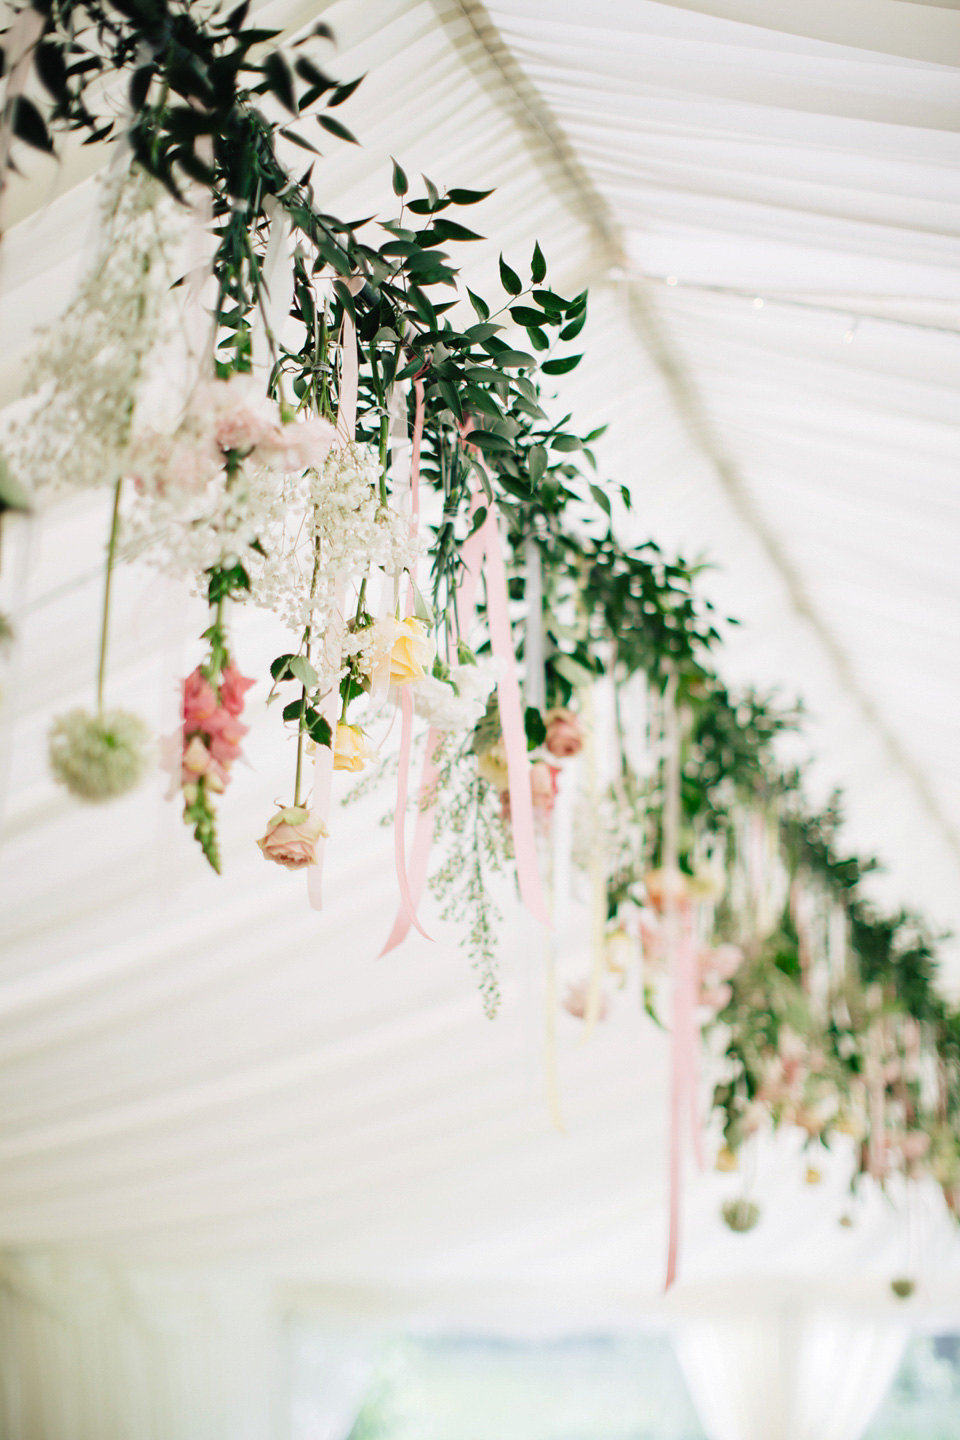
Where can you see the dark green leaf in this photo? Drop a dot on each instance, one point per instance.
(486, 440)
(235, 19)
(601, 497)
(537, 463)
(293, 711)
(571, 331)
(28, 124)
(400, 185)
(467, 197)
(560, 367)
(538, 338)
(139, 86)
(280, 80)
(335, 128)
(279, 667)
(538, 266)
(480, 306)
(343, 92)
(515, 359)
(320, 732)
(449, 392)
(51, 69)
(450, 230)
(479, 516)
(345, 298)
(303, 671)
(534, 726)
(526, 315)
(565, 443)
(509, 279)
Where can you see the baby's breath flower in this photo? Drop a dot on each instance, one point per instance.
(98, 757)
(89, 363)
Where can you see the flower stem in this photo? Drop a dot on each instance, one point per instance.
(105, 626)
(384, 438)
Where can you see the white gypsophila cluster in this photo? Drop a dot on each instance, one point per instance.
(87, 368)
(331, 527)
(460, 705)
(228, 484)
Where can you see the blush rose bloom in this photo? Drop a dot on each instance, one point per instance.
(564, 733)
(351, 748)
(291, 837)
(413, 650)
(576, 998)
(300, 444)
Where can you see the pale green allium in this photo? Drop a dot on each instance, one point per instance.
(741, 1214)
(98, 757)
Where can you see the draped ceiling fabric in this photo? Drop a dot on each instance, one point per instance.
(763, 198)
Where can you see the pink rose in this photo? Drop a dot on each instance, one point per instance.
(543, 786)
(564, 733)
(233, 687)
(291, 838)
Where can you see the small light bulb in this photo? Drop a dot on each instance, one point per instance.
(671, 279)
(758, 303)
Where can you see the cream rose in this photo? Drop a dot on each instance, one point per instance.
(351, 748)
(413, 650)
(291, 837)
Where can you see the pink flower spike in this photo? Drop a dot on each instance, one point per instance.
(233, 687)
(199, 701)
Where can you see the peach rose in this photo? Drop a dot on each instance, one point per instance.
(291, 837)
(351, 748)
(413, 650)
(564, 733)
(197, 760)
(666, 884)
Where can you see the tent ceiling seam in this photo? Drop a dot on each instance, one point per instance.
(471, 29)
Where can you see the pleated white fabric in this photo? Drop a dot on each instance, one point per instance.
(789, 1375)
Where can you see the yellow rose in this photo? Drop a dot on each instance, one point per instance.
(351, 749)
(413, 650)
(492, 766)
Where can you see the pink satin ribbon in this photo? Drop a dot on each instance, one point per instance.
(484, 547)
(684, 1076)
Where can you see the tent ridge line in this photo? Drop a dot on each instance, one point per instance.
(473, 32)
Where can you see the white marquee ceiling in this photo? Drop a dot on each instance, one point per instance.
(200, 1068)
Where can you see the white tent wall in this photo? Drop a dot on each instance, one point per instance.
(201, 1072)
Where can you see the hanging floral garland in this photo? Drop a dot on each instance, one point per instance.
(360, 439)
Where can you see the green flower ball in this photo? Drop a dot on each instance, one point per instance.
(98, 757)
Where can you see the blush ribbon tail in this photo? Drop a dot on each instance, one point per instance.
(511, 724)
(422, 841)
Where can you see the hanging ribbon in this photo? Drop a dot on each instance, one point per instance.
(471, 556)
(329, 704)
(682, 959)
(407, 899)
